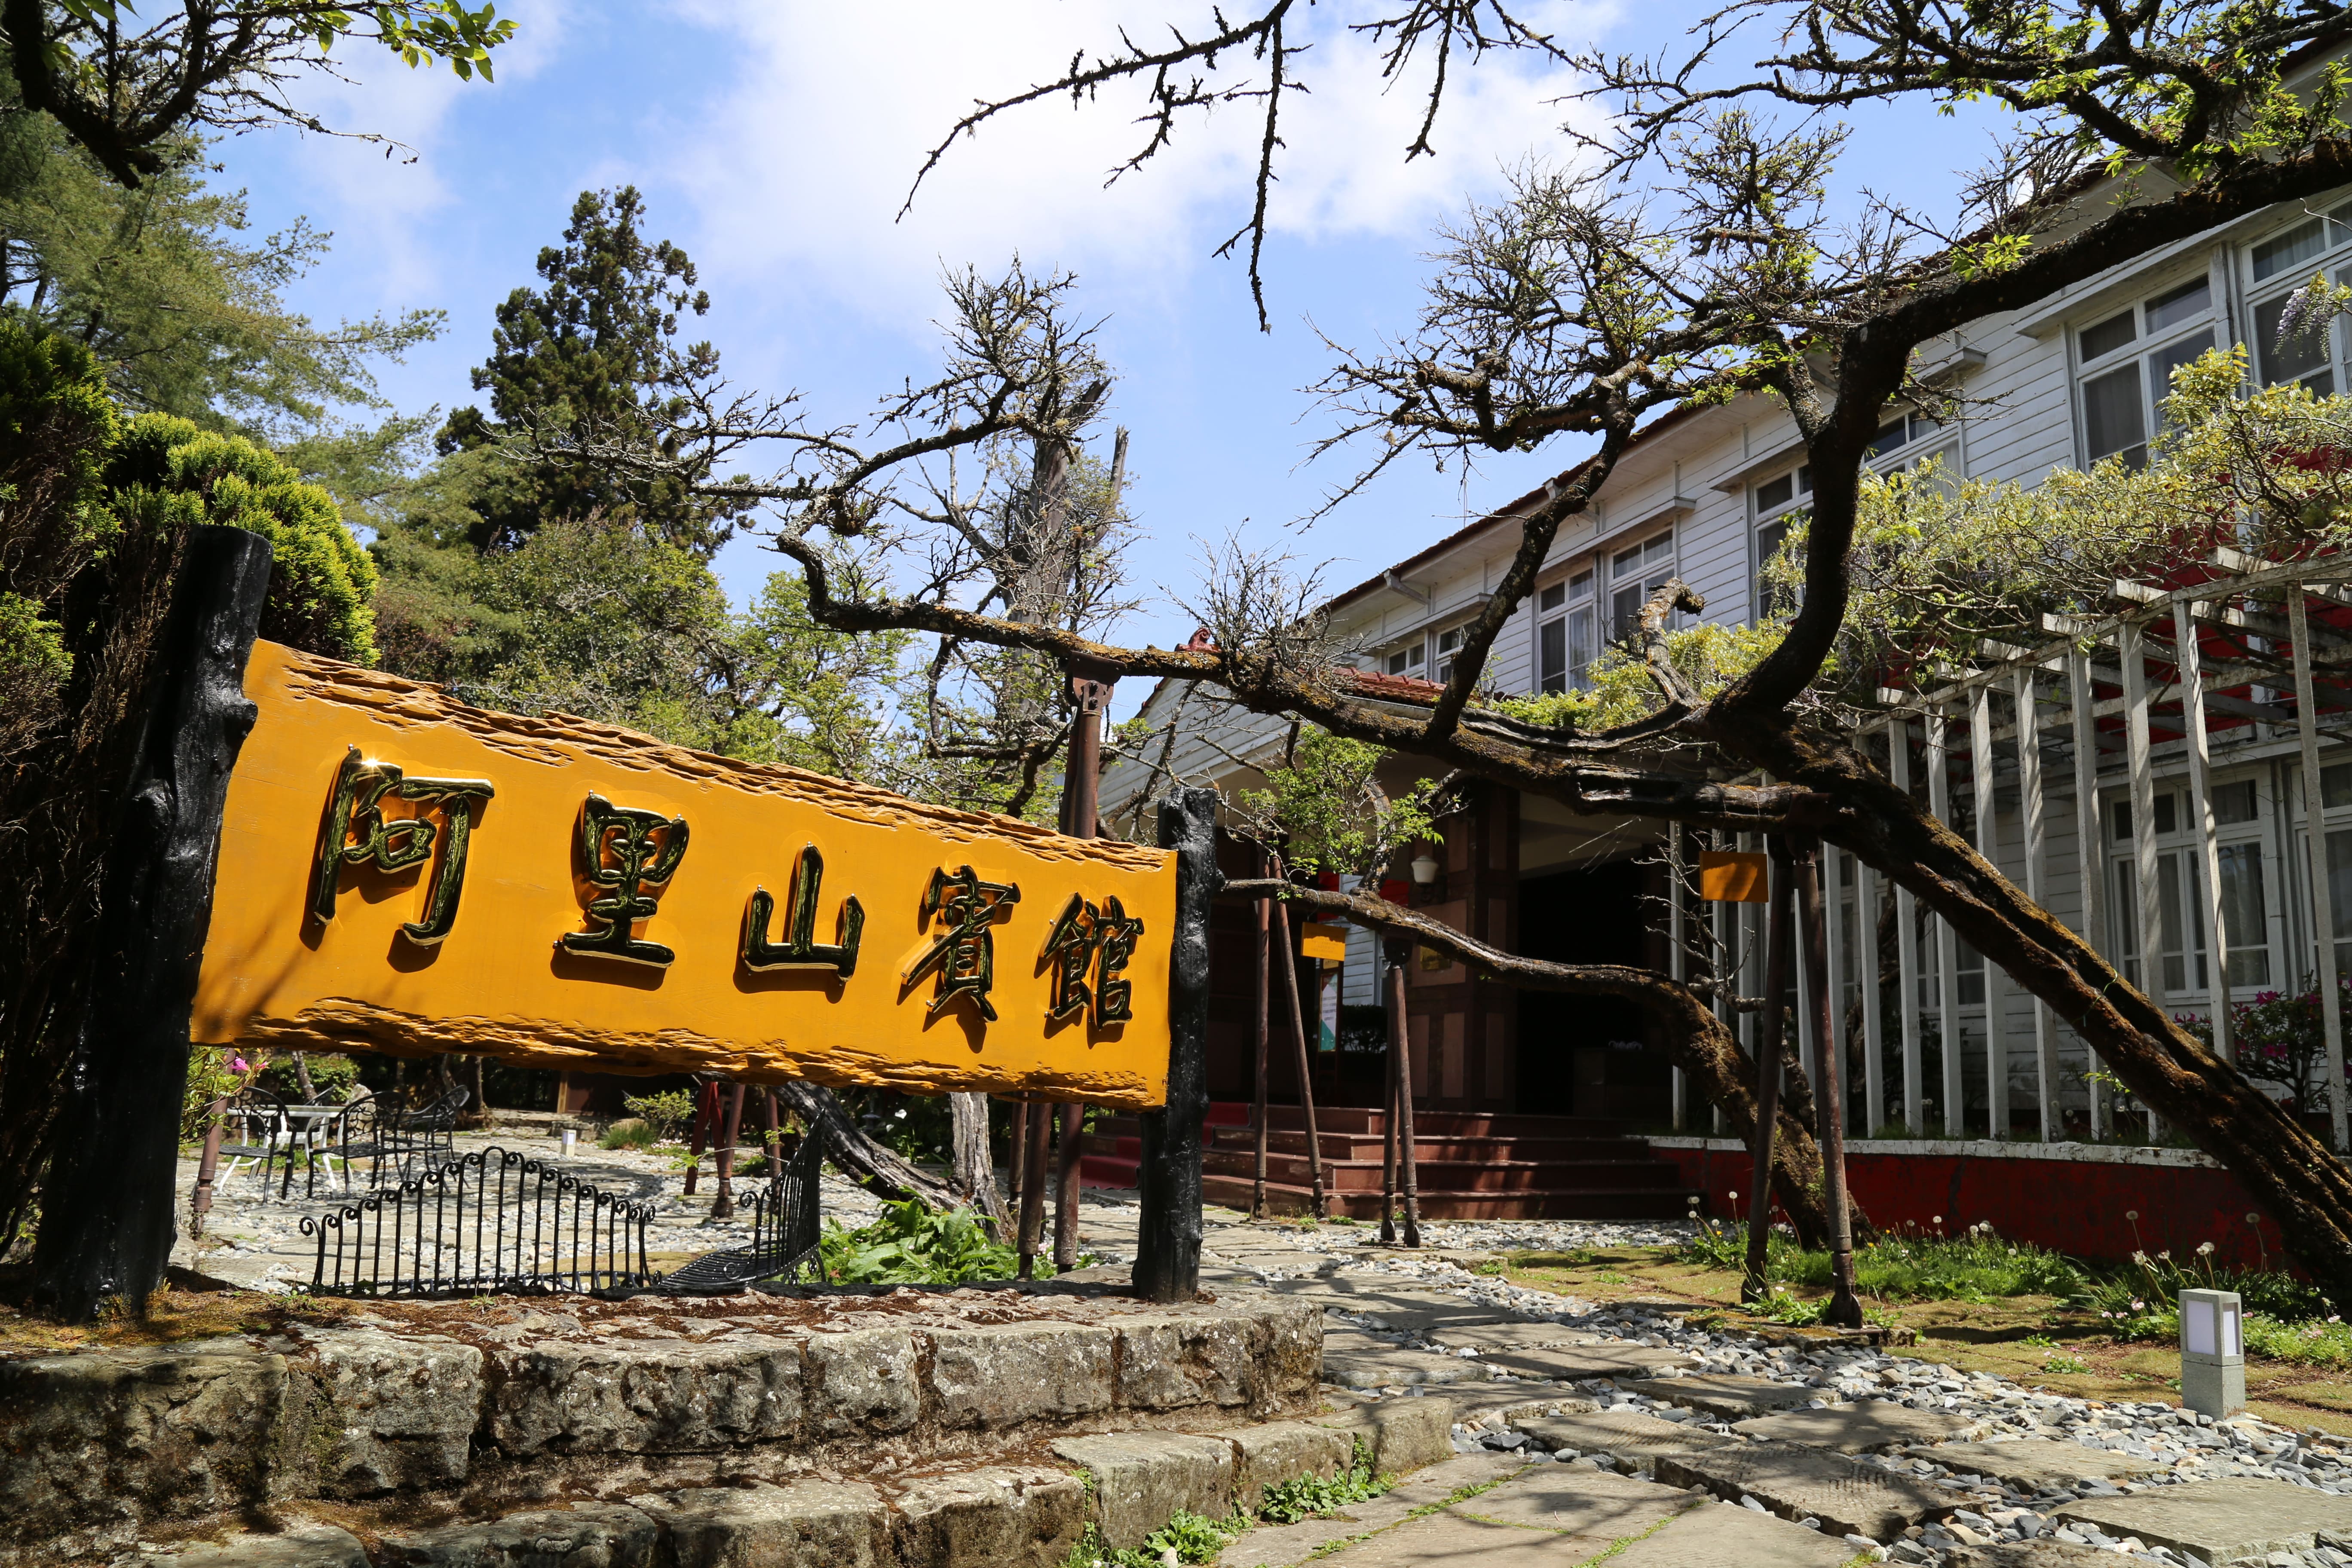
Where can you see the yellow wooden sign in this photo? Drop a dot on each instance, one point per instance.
(1321, 939)
(400, 872)
(1734, 876)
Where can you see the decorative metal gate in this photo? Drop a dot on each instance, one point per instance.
(784, 1233)
(491, 1220)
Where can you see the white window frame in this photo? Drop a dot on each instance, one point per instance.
(2149, 353)
(2179, 854)
(2267, 294)
(1772, 518)
(1564, 616)
(1638, 568)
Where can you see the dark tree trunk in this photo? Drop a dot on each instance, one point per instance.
(1168, 1241)
(857, 1156)
(107, 1218)
(2290, 1173)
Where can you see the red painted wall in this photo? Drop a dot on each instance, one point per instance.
(2081, 1206)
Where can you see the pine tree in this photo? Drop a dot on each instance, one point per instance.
(590, 355)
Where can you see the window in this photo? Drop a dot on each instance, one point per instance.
(1900, 432)
(1564, 641)
(2280, 266)
(1406, 660)
(1449, 643)
(2122, 393)
(1778, 502)
(1635, 575)
(2181, 903)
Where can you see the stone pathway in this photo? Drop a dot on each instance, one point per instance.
(1623, 1432)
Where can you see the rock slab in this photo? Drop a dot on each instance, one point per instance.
(1364, 1361)
(1007, 1516)
(2232, 1520)
(1628, 1436)
(1731, 1397)
(1865, 1427)
(1140, 1479)
(1847, 1496)
(307, 1546)
(2036, 1464)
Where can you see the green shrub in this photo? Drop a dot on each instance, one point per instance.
(1904, 1265)
(668, 1113)
(213, 1073)
(915, 1245)
(629, 1135)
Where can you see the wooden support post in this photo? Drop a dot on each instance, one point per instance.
(2324, 913)
(730, 1129)
(1033, 1187)
(1081, 779)
(1306, 1058)
(1906, 953)
(1261, 1039)
(699, 1132)
(1844, 1310)
(1755, 1287)
(1016, 1161)
(1392, 998)
(109, 1199)
(1982, 780)
(200, 1202)
(1168, 1239)
(2209, 832)
(1400, 1047)
(2090, 857)
(1067, 1155)
(1724, 923)
(2143, 811)
(2048, 1122)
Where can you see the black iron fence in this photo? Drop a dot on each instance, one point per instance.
(784, 1244)
(484, 1221)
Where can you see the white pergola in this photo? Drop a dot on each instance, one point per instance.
(2153, 653)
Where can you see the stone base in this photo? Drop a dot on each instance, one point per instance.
(449, 1409)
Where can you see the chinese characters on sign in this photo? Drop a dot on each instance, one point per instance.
(355, 805)
(628, 857)
(1083, 937)
(963, 954)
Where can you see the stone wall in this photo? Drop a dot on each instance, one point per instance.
(101, 1445)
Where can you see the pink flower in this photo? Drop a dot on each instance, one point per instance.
(237, 1064)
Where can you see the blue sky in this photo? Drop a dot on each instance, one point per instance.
(775, 142)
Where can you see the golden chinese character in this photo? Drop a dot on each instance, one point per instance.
(799, 948)
(964, 953)
(355, 808)
(1082, 937)
(627, 851)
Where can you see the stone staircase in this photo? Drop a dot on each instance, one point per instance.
(1472, 1165)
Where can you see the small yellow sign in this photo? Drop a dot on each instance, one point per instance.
(1734, 876)
(400, 872)
(1325, 941)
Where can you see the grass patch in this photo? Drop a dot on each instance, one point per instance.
(1191, 1536)
(629, 1135)
(1977, 1264)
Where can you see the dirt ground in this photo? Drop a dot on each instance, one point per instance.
(1975, 1336)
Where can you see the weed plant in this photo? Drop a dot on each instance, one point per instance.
(636, 1135)
(912, 1244)
(668, 1113)
(1309, 1496)
(2286, 1318)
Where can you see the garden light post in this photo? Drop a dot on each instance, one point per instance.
(2212, 1352)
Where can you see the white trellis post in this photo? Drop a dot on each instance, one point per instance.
(1674, 957)
(1906, 946)
(2323, 887)
(1988, 797)
(2029, 807)
(2208, 833)
(1948, 964)
(1835, 1049)
(2143, 809)
(2089, 852)
(1874, 1041)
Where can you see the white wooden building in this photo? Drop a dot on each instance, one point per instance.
(1704, 494)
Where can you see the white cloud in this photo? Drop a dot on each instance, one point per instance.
(800, 166)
